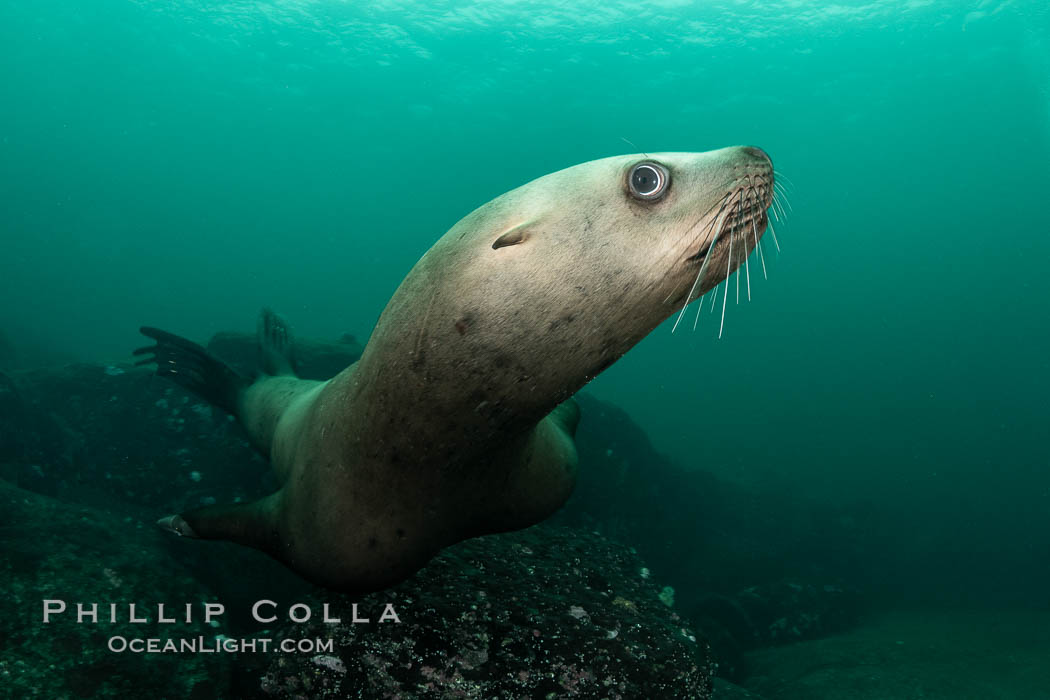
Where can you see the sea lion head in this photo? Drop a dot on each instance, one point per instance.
(537, 291)
(602, 252)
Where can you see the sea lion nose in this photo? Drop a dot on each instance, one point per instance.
(758, 153)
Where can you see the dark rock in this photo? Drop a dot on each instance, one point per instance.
(792, 611)
(732, 555)
(127, 447)
(543, 613)
(93, 433)
(547, 612)
(778, 613)
(115, 437)
(727, 629)
(54, 551)
(99, 434)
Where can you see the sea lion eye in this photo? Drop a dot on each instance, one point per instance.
(648, 180)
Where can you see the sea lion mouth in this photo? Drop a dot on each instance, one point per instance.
(735, 225)
(741, 213)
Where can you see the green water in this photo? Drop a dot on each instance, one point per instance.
(183, 164)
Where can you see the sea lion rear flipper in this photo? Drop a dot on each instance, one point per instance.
(275, 344)
(193, 367)
(251, 524)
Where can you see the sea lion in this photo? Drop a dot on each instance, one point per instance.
(458, 419)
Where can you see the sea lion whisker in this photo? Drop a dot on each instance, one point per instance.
(688, 296)
(761, 257)
(631, 144)
(729, 263)
(721, 216)
(660, 260)
(726, 294)
(760, 202)
(778, 204)
(703, 265)
(747, 254)
(717, 224)
(781, 176)
(774, 232)
(779, 187)
(714, 219)
(672, 294)
(692, 289)
(781, 201)
(756, 210)
(703, 249)
(735, 215)
(696, 319)
(740, 220)
(747, 275)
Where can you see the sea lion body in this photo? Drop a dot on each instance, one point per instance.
(349, 480)
(457, 420)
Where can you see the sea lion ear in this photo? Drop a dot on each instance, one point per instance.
(513, 236)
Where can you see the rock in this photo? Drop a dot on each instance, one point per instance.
(764, 615)
(547, 612)
(746, 564)
(792, 611)
(100, 434)
(115, 437)
(543, 613)
(75, 554)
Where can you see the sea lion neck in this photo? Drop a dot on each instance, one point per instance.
(439, 378)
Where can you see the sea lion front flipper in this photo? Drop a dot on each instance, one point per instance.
(275, 344)
(567, 416)
(251, 524)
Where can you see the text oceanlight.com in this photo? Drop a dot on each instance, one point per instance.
(262, 611)
(218, 645)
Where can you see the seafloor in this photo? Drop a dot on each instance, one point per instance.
(651, 583)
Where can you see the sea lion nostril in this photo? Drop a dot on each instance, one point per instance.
(757, 152)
